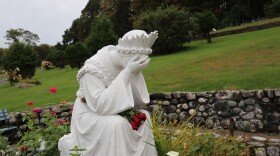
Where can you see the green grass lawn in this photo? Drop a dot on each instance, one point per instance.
(257, 23)
(243, 61)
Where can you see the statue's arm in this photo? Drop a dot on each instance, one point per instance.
(117, 97)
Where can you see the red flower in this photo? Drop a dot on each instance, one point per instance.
(141, 116)
(134, 126)
(36, 110)
(59, 121)
(29, 103)
(136, 119)
(53, 90)
(23, 148)
(52, 113)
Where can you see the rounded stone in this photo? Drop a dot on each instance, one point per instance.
(259, 94)
(168, 95)
(178, 111)
(247, 93)
(179, 106)
(224, 114)
(171, 117)
(232, 103)
(274, 140)
(260, 151)
(192, 111)
(193, 104)
(190, 96)
(64, 114)
(166, 103)
(205, 115)
(257, 138)
(249, 108)
(277, 93)
(265, 100)
(207, 106)
(185, 106)
(248, 116)
(183, 116)
(241, 104)
(211, 112)
(174, 101)
(201, 100)
(259, 116)
(199, 114)
(221, 106)
(272, 151)
(236, 110)
(201, 108)
(250, 101)
(170, 109)
(270, 93)
(56, 109)
(183, 100)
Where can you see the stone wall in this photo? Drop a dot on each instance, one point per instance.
(253, 111)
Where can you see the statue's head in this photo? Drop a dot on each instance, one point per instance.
(137, 42)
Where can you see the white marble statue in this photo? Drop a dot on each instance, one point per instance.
(111, 82)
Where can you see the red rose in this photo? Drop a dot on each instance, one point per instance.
(24, 148)
(36, 110)
(141, 116)
(52, 113)
(134, 126)
(136, 119)
(53, 90)
(29, 103)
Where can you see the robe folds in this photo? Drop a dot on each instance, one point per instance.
(96, 125)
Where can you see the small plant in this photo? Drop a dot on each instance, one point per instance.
(43, 134)
(12, 75)
(5, 148)
(47, 65)
(189, 139)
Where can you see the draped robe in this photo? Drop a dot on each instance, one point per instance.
(95, 124)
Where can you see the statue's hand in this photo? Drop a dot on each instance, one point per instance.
(137, 63)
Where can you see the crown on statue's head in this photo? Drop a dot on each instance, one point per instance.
(137, 42)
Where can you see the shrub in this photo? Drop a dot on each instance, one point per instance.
(12, 75)
(76, 54)
(174, 27)
(22, 56)
(273, 9)
(47, 65)
(101, 35)
(57, 57)
(206, 21)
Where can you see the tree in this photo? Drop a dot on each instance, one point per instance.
(273, 9)
(76, 54)
(1, 55)
(206, 21)
(22, 56)
(42, 52)
(174, 26)
(21, 35)
(101, 35)
(57, 57)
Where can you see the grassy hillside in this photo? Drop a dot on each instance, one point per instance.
(257, 23)
(244, 61)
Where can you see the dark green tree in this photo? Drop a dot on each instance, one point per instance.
(206, 21)
(22, 56)
(57, 57)
(174, 26)
(21, 35)
(76, 54)
(42, 52)
(101, 35)
(273, 9)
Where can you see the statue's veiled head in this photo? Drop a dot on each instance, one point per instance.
(135, 42)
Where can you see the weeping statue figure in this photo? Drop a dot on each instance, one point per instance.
(111, 82)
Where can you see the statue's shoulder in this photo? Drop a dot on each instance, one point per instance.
(96, 69)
